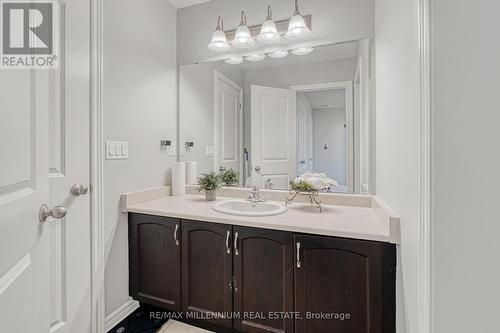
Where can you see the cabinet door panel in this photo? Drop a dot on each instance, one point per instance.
(339, 276)
(263, 270)
(207, 270)
(155, 261)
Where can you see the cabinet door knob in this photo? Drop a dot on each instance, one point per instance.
(175, 235)
(228, 248)
(236, 252)
(298, 255)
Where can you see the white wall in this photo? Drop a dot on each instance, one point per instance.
(139, 92)
(328, 128)
(398, 140)
(333, 21)
(197, 109)
(466, 118)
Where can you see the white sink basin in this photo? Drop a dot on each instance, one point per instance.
(247, 208)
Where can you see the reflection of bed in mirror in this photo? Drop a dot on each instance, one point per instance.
(275, 120)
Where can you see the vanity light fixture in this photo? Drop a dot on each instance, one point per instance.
(219, 40)
(278, 54)
(243, 38)
(297, 27)
(269, 32)
(234, 60)
(302, 51)
(256, 57)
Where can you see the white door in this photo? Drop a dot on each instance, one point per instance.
(228, 125)
(24, 187)
(273, 131)
(69, 152)
(44, 144)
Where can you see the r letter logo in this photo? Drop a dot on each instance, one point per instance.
(29, 34)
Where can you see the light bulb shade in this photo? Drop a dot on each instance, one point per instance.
(243, 38)
(297, 28)
(256, 57)
(234, 60)
(302, 51)
(219, 41)
(269, 33)
(278, 54)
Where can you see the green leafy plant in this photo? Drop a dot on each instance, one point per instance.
(302, 185)
(209, 182)
(230, 176)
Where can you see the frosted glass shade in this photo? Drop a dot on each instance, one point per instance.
(278, 54)
(234, 60)
(302, 51)
(256, 57)
(219, 41)
(297, 28)
(243, 38)
(269, 33)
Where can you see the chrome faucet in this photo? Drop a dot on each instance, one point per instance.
(268, 185)
(254, 195)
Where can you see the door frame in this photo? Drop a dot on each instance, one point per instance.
(219, 76)
(97, 255)
(426, 260)
(348, 86)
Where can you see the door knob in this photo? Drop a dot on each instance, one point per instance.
(257, 168)
(57, 213)
(77, 190)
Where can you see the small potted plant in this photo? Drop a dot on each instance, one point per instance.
(210, 183)
(302, 186)
(230, 177)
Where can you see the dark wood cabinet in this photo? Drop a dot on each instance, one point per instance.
(155, 260)
(207, 270)
(263, 272)
(344, 285)
(241, 279)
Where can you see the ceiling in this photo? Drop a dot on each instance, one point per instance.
(186, 3)
(326, 99)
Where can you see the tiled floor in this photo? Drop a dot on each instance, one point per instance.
(173, 326)
(139, 321)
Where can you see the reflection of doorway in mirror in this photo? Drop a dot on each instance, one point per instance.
(325, 132)
(305, 153)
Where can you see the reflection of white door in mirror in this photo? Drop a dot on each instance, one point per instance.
(273, 127)
(228, 124)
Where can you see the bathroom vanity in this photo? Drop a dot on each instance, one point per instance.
(302, 271)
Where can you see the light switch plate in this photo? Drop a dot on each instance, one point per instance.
(172, 149)
(116, 150)
(209, 150)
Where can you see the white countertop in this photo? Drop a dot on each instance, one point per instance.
(342, 221)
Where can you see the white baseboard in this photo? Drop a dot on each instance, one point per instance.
(121, 313)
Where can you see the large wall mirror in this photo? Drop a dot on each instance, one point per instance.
(283, 117)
